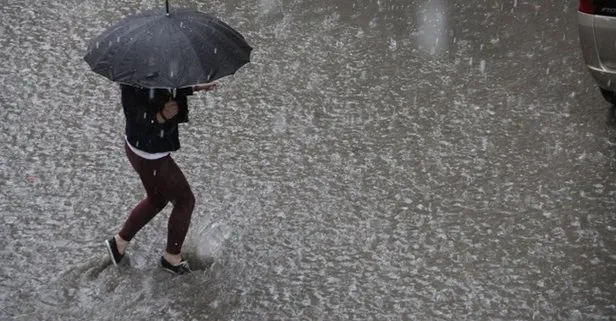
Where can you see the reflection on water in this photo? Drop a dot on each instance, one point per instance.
(433, 27)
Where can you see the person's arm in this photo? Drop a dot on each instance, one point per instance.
(138, 108)
(182, 100)
(182, 116)
(205, 87)
(187, 91)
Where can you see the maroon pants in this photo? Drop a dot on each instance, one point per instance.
(164, 182)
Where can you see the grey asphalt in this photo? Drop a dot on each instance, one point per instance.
(382, 160)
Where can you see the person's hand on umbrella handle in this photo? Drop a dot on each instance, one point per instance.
(205, 87)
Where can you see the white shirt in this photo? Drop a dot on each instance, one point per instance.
(143, 154)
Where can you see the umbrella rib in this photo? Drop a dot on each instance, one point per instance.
(128, 47)
(225, 41)
(189, 44)
(105, 36)
(198, 34)
(223, 36)
(222, 40)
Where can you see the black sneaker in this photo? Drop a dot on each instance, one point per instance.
(181, 268)
(112, 248)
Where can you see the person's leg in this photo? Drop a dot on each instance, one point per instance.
(148, 207)
(178, 191)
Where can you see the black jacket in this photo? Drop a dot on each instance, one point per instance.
(142, 130)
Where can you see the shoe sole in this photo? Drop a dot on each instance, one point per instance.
(110, 253)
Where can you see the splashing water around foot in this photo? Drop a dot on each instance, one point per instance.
(204, 246)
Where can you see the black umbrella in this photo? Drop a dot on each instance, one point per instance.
(168, 49)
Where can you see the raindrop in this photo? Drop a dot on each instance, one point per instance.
(162, 133)
(215, 51)
(145, 115)
(173, 67)
(393, 44)
(482, 66)
(110, 43)
(118, 40)
(137, 144)
(152, 92)
(98, 44)
(154, 173)
(182, 24)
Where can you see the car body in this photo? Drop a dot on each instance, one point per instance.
(597, 29)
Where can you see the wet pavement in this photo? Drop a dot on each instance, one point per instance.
(381, 160)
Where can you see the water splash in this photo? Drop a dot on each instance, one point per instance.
(206, 244)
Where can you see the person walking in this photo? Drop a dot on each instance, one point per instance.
(151, 135)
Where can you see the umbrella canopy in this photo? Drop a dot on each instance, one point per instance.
(161, 48)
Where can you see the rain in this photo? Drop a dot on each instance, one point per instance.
(376, 160)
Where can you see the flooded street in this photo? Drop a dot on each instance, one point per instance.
(377, 160)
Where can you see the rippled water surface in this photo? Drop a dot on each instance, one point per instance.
(377, 160)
